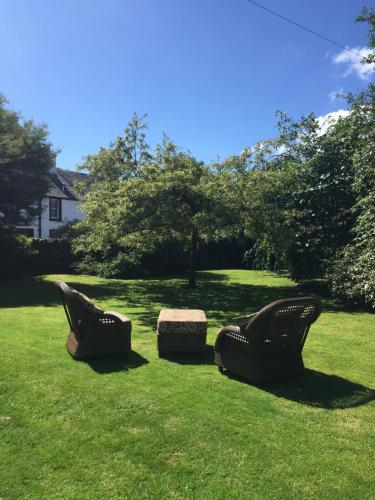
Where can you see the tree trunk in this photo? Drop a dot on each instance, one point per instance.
(193, 251)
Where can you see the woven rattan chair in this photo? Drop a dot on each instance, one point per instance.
(267, 345)
(93, 332)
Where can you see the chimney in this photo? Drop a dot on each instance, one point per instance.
(53, 169)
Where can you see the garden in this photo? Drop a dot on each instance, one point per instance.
(141, 426)
(290, 218)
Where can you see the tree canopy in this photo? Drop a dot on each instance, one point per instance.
(26, 157)
(152, 198)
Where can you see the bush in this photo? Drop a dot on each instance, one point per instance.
(353, 279)
(16, 253)
(23, 256)
(170, 257)
(352, 274)
(51, 257)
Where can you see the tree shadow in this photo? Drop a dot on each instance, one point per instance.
(28, 292)
(116, 363)
(315, 286)
(37, 291)
(219, 297)
(317, 389)
(205, 357)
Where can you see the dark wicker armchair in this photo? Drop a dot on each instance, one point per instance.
(93, 332)
(267, 345)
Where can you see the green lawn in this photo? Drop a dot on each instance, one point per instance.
(145, 427)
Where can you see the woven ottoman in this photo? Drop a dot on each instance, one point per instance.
(181, 330)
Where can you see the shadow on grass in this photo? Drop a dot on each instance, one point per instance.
(205, 357)
(221, 299)
(318, 389)
(116, 363)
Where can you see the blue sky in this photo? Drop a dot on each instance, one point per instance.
(211, 74)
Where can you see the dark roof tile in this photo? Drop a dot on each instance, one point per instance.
(62, 183)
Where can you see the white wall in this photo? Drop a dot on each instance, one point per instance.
(69, 211)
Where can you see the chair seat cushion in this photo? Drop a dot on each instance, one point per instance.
(182, 321)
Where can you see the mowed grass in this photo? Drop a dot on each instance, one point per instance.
(144, 427)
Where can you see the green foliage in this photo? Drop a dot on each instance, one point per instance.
(261, 256)
(301, 198)
(15, 254)
(353, 276)
(166, 197)
(353, 270)
(124, 158)
(310, 206)
(368, 16)
(68, 231)
(310, 196)
(323, 200)
(25, 160)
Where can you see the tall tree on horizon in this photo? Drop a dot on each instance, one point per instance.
(165, 197)
(26, 158)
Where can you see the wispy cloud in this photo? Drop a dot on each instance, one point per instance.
(336, 94)
(352, 60)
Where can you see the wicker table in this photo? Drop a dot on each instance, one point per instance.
(181, 330)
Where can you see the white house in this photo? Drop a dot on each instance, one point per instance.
(59, 206)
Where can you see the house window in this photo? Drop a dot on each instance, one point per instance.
(55, 209)
(54, 234)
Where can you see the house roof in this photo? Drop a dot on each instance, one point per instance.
(71, 176)
(62, 183)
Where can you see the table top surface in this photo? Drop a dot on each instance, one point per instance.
(182, 315)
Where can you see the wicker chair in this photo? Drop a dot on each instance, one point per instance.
(93, 332)
(267, 345)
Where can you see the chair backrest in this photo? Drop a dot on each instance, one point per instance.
(285, 323)
(79, 309)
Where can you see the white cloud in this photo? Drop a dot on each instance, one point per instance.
(335, 94)
(280, 150)
(326, 121)
(351, 58)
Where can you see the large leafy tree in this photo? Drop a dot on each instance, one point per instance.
(26, 157)
(308, 196)
(301, 197)
(322, 202)
(265, 179)
(25, 160)
(169, 196)
(352, 274)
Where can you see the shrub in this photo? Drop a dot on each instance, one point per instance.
(353, 278)
(16, 253)
(51, 257)
(168, 257)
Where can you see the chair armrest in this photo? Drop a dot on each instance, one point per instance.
(242, 320)
(232, 329)
(121, 317)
